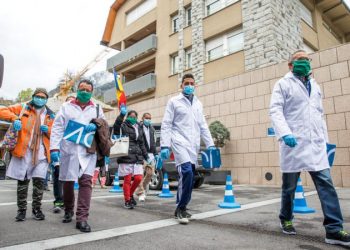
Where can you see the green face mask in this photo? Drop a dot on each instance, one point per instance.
(301, 67)
(132, 120)
(84, 96)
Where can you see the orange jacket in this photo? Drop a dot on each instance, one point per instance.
(28, 118)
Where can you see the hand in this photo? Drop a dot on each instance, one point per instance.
(211, 148)
(44, 128)
(123, 109)
(55, 156)
(17, 125)
(290, 140)
(91, 127)
(165, 153)
(159, 162)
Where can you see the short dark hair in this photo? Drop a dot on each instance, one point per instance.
(132, 112)
(187, 76)
(294, 53)
(87, 81)
(146, 114)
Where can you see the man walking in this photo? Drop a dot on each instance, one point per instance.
(31, 155)
(150, 143)
(297, 115)
(75, 162)
(182, 128)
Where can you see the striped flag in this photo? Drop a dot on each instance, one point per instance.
(121, 98)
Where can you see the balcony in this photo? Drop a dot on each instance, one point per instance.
(137, 51)
(133, 88)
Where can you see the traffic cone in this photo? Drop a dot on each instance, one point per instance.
(300, 205)
(76, 185)
(116, 188)
(229, 198)
(165, 190)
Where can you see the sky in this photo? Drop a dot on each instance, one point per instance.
(41, 39)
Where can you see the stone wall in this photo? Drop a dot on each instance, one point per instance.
(241, 102)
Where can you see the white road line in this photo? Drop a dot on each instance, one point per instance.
(119, 231)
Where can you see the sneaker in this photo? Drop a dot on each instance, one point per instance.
(180, 216)
(38, 214)
(287, 227)
(133, 201)
(142, 197)
(187, 214)
(68, 215)
(128, 205)
(57, 207)
(21, 215)
(339, 238)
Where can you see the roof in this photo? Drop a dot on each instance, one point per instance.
(107, 34)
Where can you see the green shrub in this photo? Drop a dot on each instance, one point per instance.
(219, 133)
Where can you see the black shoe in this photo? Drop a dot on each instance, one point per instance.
(83, 227)
(186, 214)
(180, 216)
(128, 205)
(21, 215)
(38, 214)
(287, 227)
(67, 217)
(338, 238)
(133, 201)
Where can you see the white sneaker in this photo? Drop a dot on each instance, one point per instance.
(142, 198)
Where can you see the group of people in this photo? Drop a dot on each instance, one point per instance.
(295, 110)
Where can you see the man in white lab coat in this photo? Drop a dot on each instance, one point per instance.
(297, 115)
(75, 162)
(182, 128)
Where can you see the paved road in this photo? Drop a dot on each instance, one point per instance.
(150, 225)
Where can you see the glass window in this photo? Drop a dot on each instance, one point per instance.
(188, 58)
(306, 15)
(175, 23)
(175, 64)
(213, 6)
(140, 10)
(188, 12)
(235, 42)
(215, 53)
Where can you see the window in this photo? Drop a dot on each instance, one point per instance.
(140, 10)
(188, 58)
(212, 6)
(306, 15)
(175, 23)
(224, 45)
(174, 64)
(188, 12)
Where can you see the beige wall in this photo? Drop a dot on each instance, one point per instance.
(241, 102)
(224, 67)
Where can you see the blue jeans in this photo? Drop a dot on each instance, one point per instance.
(57, 185)
(184, 190)
(333, 219)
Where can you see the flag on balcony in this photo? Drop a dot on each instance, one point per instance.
(121, 98)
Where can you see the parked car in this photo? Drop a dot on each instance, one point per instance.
(168, 167)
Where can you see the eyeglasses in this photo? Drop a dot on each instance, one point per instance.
(303, 58)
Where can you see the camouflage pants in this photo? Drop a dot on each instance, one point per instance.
(22, 193)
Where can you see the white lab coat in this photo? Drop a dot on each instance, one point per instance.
(182, 127)
(293, 111)
(74, 161)
(21, 168)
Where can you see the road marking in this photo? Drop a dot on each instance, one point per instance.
(120, 231)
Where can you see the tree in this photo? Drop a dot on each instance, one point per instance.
(25, 95)
(219, 133)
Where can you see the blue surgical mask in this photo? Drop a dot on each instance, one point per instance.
(188, 90)
(147, 122)
(39, 102)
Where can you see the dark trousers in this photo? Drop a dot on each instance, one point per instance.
(184, 190)
(333, 219)
(57, 185)
(22, 193)
(84, 197)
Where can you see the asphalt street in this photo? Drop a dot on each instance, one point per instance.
(150, 225)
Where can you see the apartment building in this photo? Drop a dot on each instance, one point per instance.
(160, 40)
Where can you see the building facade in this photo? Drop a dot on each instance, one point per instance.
(160, 40)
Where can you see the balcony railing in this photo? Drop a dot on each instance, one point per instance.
(138, 50)
(138, 86)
